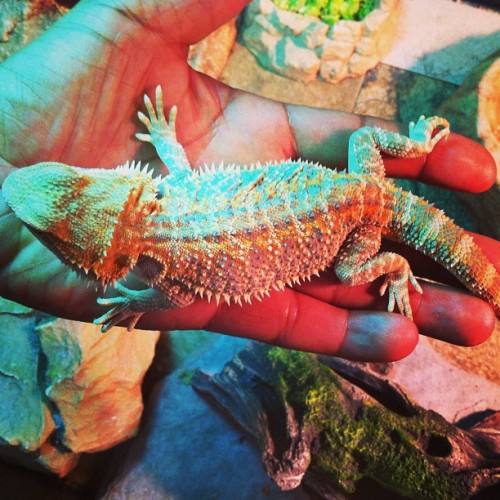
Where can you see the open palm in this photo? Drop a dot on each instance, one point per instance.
(72, 96)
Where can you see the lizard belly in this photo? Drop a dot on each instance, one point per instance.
(253, 261)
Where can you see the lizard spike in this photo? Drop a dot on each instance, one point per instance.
(217, 298)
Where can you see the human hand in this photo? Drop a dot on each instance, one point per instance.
(72, 96)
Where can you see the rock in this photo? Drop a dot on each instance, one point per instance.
(435, 383)
(474, 110)
(264, 44)
(303, 47)
(211, 54)
(337, 50)
(296, 62)
(187, 450)
(332, 429)
(291, 24)
(313, 36)
(23, 20)
(100, 403)
(183, 437)
(65, 388)
(489, 110)
(333, 70)
(347, 31)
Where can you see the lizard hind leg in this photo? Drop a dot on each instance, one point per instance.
(366, 144)
(421, 132)
(358, 262)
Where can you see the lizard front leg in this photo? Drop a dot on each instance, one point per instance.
(163, 136)
(129, 305)
(358, 262)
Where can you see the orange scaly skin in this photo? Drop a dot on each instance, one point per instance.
(234, 233)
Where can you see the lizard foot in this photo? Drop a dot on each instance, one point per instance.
(422, 131)
(156, 123)
(396, 286)
(128, 306)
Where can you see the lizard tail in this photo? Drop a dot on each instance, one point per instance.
(426, 228)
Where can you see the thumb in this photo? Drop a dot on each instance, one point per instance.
(190, 21)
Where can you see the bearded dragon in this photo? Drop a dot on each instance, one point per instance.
(233, 232)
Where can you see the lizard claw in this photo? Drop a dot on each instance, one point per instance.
(155, 122)
(422, 131)
(122, 308)
(129, 305)
(396, 286)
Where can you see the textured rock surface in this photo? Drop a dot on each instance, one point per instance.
(185, 449)
(303, 47)
(489, 110)
(211, 54)
(184, 437)
(65, 388)
(23, 20)
(474, 109)
(332, 431)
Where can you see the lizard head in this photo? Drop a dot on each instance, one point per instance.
(92, 219)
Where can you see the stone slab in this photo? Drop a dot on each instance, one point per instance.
(443, 39)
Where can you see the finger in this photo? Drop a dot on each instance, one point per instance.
(456, 163)
(191, 21)
(452, 315)
(442, 312)
(297, 321)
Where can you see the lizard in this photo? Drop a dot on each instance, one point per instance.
(234, 233)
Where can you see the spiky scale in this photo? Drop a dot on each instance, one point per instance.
(232, 232)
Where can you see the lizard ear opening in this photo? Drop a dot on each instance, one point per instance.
(151, 270)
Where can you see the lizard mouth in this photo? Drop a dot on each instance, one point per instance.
(55, 245)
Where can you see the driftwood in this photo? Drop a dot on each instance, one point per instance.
(339, 433)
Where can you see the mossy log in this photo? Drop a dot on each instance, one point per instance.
(329, 431)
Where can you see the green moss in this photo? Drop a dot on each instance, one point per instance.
(329, 11)
(373, 441)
